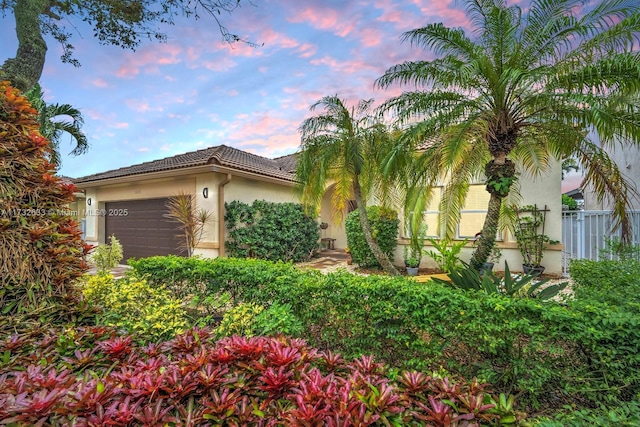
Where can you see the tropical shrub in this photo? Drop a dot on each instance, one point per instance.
(625, 415)
(526, 285)
(615, 249)
(384, 223)
(239, 320)
(271, 231)
(614, 283)
(446, 253)
(93, 376)
(130, 303)
(41, 250)
(569, 202)
(107, 256)
(182, 208)
(542, 351)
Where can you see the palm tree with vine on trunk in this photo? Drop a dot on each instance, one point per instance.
(556, 80)
(344, 146)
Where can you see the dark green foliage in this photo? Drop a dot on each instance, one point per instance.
(569, 202)
(526, 285)
(625, 415)
(615, 283)
(384, 223)
(582, 352)
(271, 231)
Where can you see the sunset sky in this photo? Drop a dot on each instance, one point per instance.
(195, 91)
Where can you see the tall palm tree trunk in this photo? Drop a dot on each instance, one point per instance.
(489, 230)
(500, 174)
(381, 257)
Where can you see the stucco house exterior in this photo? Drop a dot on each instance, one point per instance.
(130, 203)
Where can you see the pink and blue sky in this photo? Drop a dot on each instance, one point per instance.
(195, 91)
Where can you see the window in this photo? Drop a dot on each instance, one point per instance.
(473, 212)
(430, 216)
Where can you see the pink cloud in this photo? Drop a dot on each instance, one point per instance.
(324, 18)
(307, 50)
(149, 59)
(141, 106)
(100, 82)
(371, 37)
(339, 66)
(219, 64)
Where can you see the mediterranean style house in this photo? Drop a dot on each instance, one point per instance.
(130, 203)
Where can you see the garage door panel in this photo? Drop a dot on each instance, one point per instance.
(144, 231)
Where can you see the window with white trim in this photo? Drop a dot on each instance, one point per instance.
(474, 212)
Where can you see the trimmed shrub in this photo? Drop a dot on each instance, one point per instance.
(547, 353)
(271, 231)
(41, 250)
(616, 283)
(130, 303)
(384, 223)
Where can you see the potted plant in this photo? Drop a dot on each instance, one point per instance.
(412, 260)
(530, 237)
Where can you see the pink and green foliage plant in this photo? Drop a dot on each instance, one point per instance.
(93, 376)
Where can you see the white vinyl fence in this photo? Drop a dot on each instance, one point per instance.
(584, 234)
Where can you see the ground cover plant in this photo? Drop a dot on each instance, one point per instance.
(550, 354)
(96, 377)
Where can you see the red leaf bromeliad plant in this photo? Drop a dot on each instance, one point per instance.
(91, 376)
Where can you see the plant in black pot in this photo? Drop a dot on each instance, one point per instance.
(532, 242)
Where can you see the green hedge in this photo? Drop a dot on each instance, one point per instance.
(549, 354)
(384, 225)
(271, 231)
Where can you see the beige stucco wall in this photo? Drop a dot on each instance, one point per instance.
(540, 190)
(239, 188)
(336, 224)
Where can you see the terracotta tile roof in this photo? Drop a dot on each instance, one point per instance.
(288, 163)
(219, 155)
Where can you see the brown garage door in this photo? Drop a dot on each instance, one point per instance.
(141, 228)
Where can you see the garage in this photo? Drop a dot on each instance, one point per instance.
(141, 228)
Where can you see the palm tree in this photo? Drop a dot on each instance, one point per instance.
(533, 85)
(52, 128)
(343, 145)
